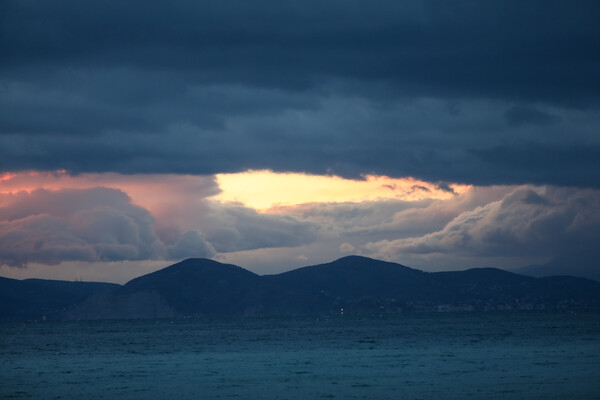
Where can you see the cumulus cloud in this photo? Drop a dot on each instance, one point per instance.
(97, 224)
(102, 224)
(191, 244)
(528, 222)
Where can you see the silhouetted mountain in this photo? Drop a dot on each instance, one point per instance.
(351, 284)
(201, 286)
(194, 286)
(495, 288)
(573, 265)
(39, 298)
(360, 284)
(354, 276)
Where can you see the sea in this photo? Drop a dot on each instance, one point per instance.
(493, 355)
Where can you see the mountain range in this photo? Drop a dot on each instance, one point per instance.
(350, 285)
(582, 265)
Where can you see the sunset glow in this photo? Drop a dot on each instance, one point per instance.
(147, 190)
(260, 190)
(266, 189)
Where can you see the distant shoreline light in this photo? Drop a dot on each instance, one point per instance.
(266, 190)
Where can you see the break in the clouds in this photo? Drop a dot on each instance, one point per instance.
(482, 93)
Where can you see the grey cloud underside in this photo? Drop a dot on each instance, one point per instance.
(493, 92)
(530, 221)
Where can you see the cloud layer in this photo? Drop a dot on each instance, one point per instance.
(493, 93)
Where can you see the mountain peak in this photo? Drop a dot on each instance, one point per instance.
(199, 286)
(354, 257)
(194, 268)
(361, 263)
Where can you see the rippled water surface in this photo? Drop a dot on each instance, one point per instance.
(424, 356)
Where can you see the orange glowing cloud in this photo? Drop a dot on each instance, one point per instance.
(6, 176)
(151, 191)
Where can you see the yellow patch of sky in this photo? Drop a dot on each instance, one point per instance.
(263, 190)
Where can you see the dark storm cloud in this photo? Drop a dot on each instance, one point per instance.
(438, 90)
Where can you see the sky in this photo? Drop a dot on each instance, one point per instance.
(274, 134)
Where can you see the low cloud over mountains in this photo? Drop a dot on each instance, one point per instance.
(497, 226)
